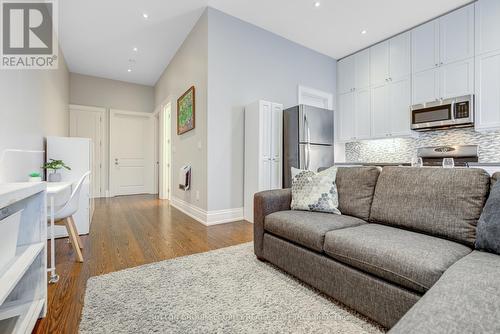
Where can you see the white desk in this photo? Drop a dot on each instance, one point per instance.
(55, 190)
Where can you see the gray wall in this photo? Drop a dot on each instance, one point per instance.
(33, 104)
(245, 64)
(188, 68)
(100, 92)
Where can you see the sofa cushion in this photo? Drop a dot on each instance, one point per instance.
(444, 202)
(488, 227)
(313, 191)
(307, 228)
(355, 187)
(413, 260)
(466, 299)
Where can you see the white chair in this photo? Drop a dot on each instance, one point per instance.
(64, 216)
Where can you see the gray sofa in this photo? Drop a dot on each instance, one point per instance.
(402, 252)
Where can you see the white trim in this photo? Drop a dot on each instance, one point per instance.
(316, 93)
(207, 218)
(85, 108)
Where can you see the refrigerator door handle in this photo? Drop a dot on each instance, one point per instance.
(308, 145)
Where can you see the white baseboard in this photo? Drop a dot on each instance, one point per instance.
(207, 218)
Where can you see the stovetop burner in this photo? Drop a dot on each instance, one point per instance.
(461, 154)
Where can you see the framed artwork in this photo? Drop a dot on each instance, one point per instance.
(186, 112)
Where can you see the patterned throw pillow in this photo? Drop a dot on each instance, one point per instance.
(315, 191)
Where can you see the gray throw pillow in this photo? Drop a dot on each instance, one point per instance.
(488, 227)
(315, 191)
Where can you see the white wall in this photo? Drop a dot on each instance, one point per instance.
(188, 68)
(99, 92)
(33, 104)
(247, 63)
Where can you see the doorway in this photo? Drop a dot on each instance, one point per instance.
(165, 152)
(131, 154)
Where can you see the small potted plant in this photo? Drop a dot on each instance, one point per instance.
(54, 166)
(35, 177)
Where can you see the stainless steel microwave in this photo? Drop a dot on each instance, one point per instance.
(442, 114)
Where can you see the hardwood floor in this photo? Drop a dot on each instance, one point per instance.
(126, 232)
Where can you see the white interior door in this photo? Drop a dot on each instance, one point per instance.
(89, 122)
(131, 153)
(165, 154)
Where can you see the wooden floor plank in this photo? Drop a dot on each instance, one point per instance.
(126, 232)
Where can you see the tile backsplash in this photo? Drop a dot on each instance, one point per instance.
(403, 149)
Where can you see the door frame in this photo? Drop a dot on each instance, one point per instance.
(164, 150)
(112, 112)
(104, 152)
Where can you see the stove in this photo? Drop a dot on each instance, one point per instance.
(461, 154)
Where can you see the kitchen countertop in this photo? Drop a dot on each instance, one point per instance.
(485, 164)
(381, 164)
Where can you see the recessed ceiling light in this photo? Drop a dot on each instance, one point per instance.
(363, 32)
(145, 15)
(317, 4)
(129, 70)
(135, 49)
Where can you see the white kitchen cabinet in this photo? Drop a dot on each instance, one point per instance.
(456, 35)
(399, 56)
(346, 116)
(346, 75)
(448, 81)
(487, 24)
(425, 46)
(399, 107)
(488, 91)
(379, 63)
(391, 109)
(263, 150)
(457, 79)
(425, 86)
(362, 114)
(380, 111)
(362, 69)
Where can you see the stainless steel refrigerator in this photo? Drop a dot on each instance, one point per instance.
(307, 139)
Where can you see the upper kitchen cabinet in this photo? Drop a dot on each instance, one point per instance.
(487, 26)
(346, 116)
(346, 76)
(379, 63)
(425, 46)
(362, 69)
(456, 35)
(488, 91)
(390, 60)
(443, 41)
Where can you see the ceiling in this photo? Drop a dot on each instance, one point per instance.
(98, 36)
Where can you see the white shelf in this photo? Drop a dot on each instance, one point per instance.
(26, 313)
(15, 270)
(14, 192)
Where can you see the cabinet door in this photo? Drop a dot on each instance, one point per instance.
(426, 86)
(399, 57)
(362, 114)
(425, 46)
(399, 106)
(346, 117)
(456, 31)
(276, 146)
(487, 26)
(488, 91)
(380, 111)
(379, 63)
(265, 124)
(345, 76)
(457, 79)
(362, 69)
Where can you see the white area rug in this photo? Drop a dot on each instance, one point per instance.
(223, 291)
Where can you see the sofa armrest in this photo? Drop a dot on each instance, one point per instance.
(466, 299)
(265, 203)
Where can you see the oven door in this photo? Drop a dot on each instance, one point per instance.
(431, 117)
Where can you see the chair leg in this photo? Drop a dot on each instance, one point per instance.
(74, 240)
(72, 222)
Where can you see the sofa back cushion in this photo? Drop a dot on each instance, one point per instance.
(444, 202)
(355, 187)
